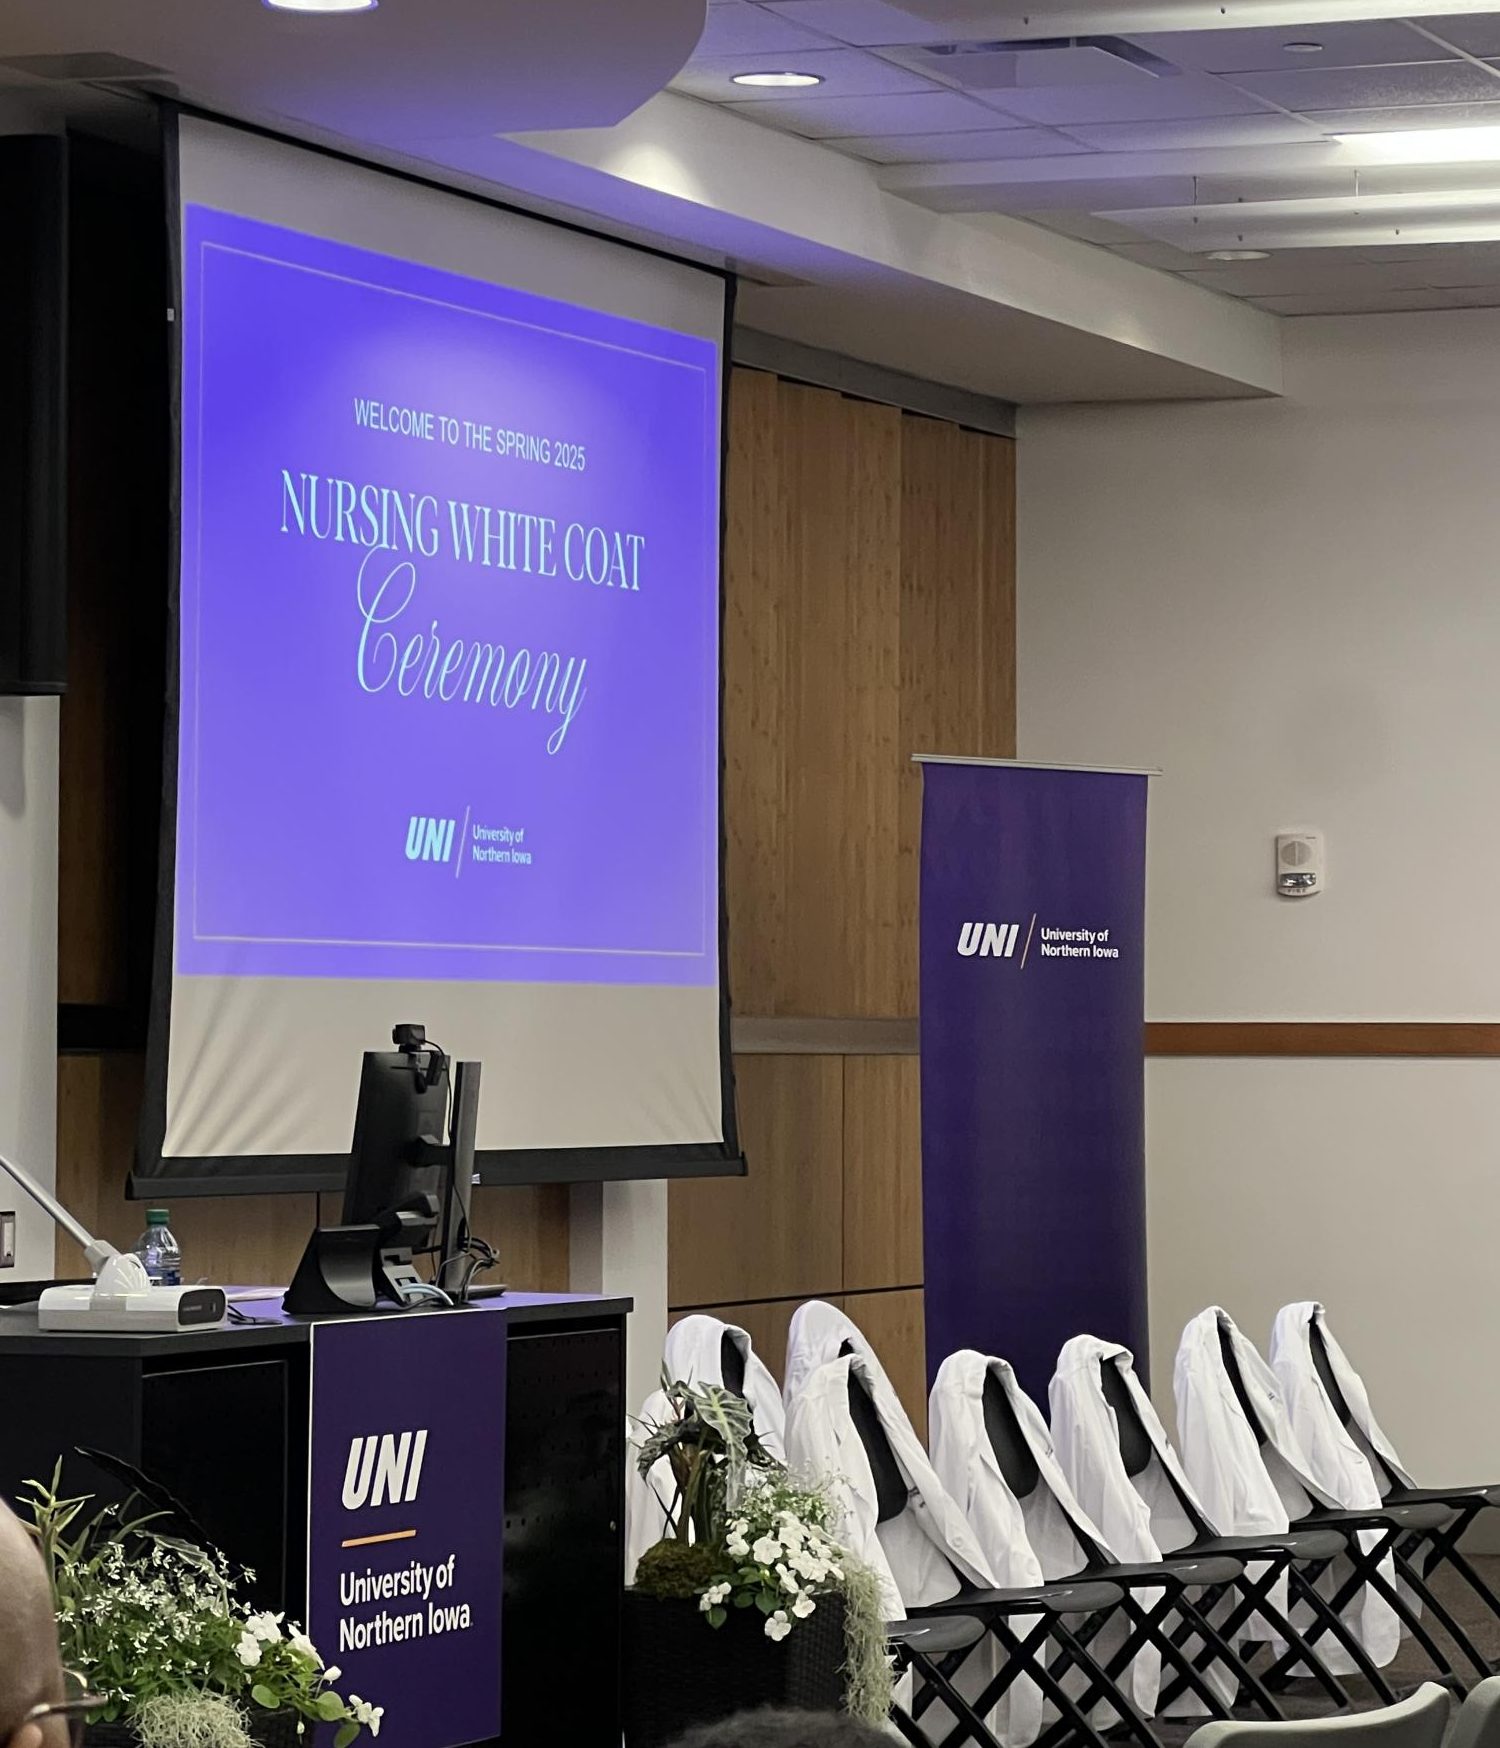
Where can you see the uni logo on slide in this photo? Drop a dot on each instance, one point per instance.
(383, 1468)
(995, 940)
(429, 840)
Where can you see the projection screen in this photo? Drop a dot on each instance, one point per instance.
(444, 726)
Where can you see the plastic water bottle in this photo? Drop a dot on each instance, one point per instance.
(159, 1250)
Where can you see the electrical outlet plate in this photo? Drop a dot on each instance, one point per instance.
(8, 1238)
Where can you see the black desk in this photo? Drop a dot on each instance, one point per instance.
(220, 1417)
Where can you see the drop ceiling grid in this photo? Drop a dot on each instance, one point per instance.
(889, 102)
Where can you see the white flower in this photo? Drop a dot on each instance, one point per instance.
(737, 1547)
(332, 1673)
(777, 1625)
(300, 1642)
(766, 1552)
(803, 1607)
(248, 1650)
(366, 1714)
(788, 1579)
(266, 1627)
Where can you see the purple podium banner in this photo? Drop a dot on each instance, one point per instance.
(1032, 996)
(406, 1516)
(449, 617)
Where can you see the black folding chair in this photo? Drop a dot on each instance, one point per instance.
(1301, 1555)
(937, 1641)
(1174, 1617)
(1388, 1525)
(1420, 1552)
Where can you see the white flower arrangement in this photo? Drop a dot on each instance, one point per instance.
(143, 1615)
(783, 1557)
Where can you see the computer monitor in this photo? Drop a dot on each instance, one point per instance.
(398, 1162)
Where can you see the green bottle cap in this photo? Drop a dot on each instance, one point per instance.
(156, 1216)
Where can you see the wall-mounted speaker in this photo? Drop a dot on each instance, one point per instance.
(33, 413)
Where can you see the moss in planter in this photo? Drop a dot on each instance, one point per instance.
(190, 1720)
(678, 1570)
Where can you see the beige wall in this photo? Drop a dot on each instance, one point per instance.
(1292, 608)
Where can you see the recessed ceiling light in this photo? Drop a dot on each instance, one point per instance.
(1303, 48)
(1239, 254)
(321, 5)
(780, 81)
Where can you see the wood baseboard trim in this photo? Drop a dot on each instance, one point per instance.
(1462, 1039)
(1432, 1038)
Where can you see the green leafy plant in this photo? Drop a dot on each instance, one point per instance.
(142, 1614)
(746, 1536)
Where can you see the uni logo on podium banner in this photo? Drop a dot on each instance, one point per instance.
(405, 1523)
(429, 840)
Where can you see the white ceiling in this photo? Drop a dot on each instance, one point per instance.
(1156, 143)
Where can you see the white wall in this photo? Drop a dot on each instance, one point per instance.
(1293, 608)
(28, 966)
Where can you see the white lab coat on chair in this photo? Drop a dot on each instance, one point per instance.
(1142, 1516)
(694, 1354)
(1248, 1489)
(919, 1556)
(650, 1498)
(817, 1333)
(1292, 1362)
(1335, 1456)
(1027, 1541)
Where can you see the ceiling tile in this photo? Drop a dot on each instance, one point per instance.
(1186, 97)
(964, 148)
(1371, 87)
(870, 23)
(1362, 121)
(1086, 227)
(1173, 136)
(1007, 70)
(751, 30)
(1475, 34)
(824, 118)
(845, 73)
(1305, 185)
(1357, 303)
(1285, 275)
(1159, 255)
(1371, 44)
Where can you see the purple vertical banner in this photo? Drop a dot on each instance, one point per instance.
(1033, 1099)
(406, 1516)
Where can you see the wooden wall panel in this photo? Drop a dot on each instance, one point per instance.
(247, 1240)
(869, 615)
(882, 1172)
(894, 1325)
(778, 1232)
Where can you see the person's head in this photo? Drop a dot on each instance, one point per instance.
(781, 1729)
(30, 1670)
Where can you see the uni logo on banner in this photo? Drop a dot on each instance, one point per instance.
(429, 840)
(384, 1469)
(992, 940)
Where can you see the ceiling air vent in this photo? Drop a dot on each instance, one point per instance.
(1044, 61)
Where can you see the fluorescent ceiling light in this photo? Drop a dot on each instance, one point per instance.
(1302, 48)
(778, 81)
(1428, 145)
(322, 5)
(1239, 254)
(1345, 221)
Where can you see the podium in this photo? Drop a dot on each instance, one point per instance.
(220, 1417)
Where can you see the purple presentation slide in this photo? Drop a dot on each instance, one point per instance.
(449, 626)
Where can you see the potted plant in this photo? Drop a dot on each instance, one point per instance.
(157, 1626)
(749, 1601)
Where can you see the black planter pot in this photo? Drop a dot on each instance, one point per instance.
(679, 1672)
(267, 1730)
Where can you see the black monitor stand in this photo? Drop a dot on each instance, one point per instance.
(364, 1266)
